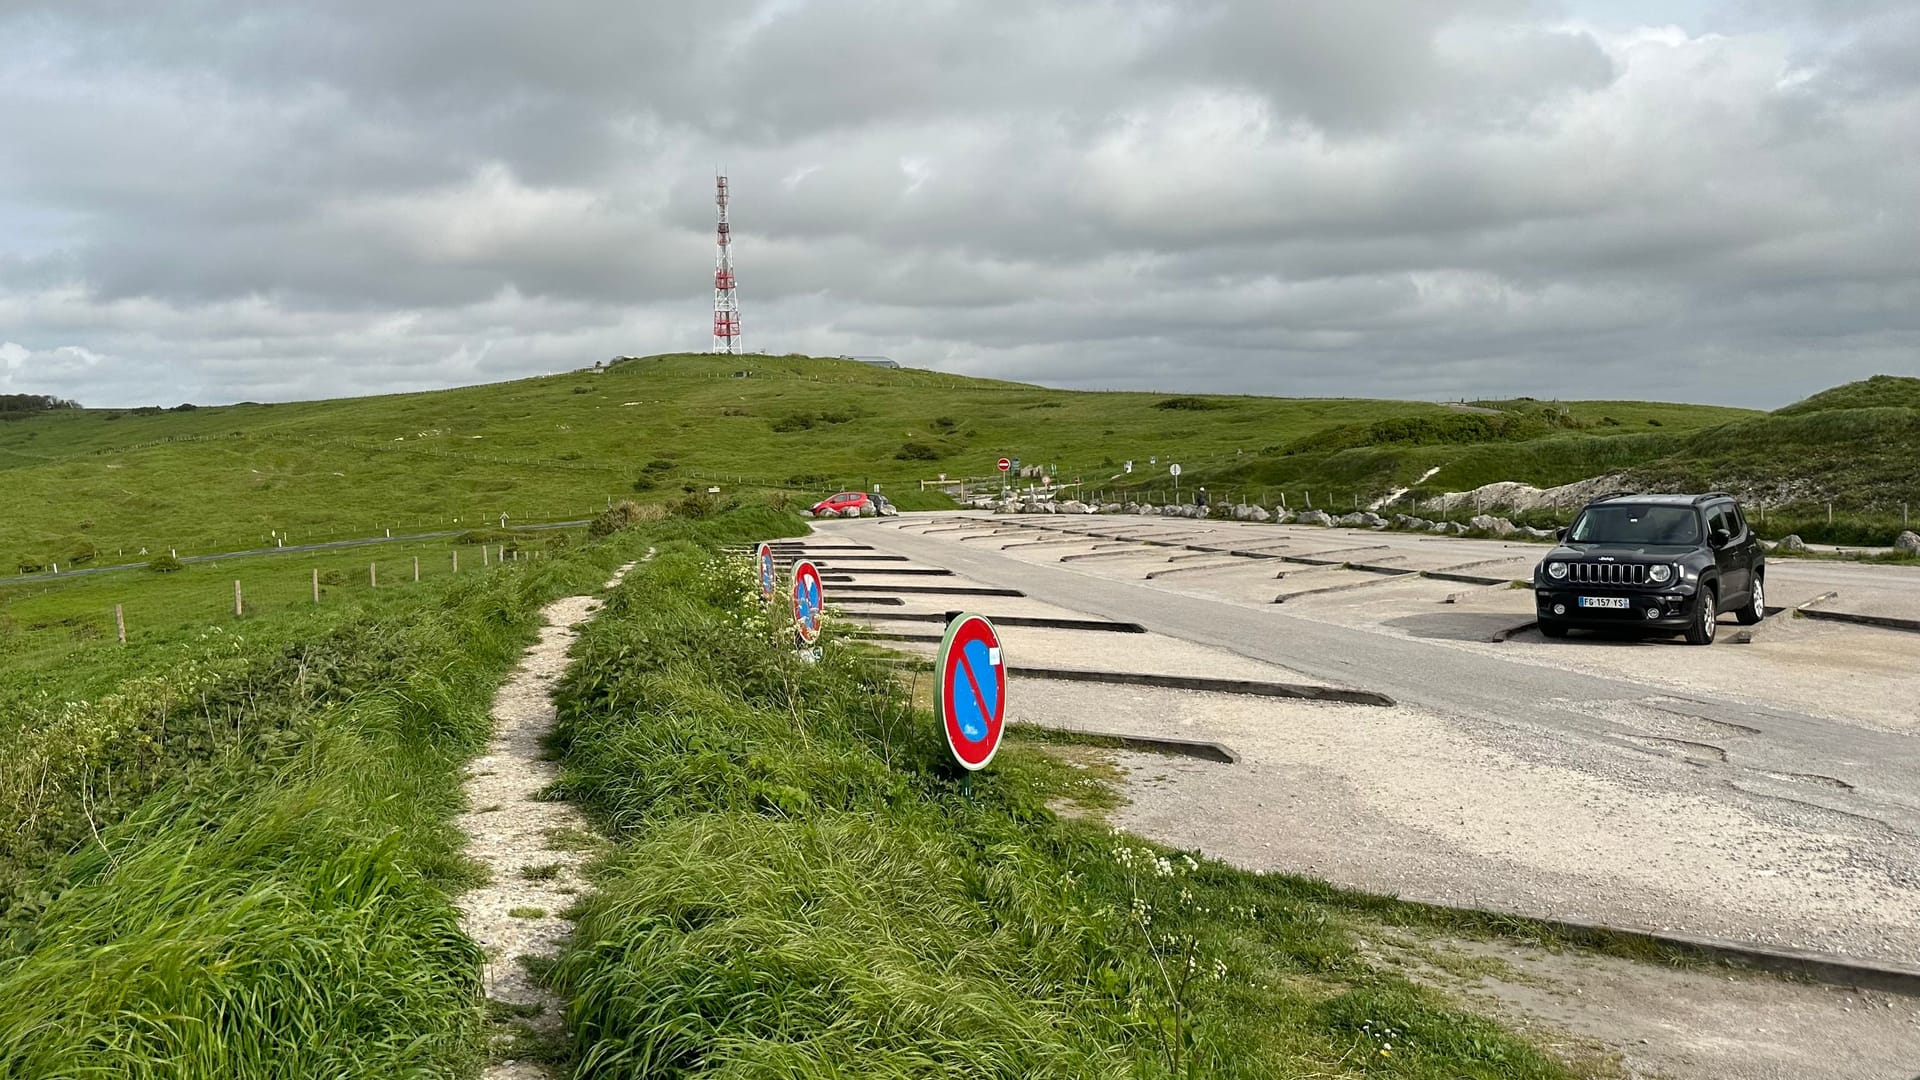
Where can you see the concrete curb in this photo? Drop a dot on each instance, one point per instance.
(1348, 587)
(1884, 622)
(1747, 635)
(1035, 621)
(1816, 967)
(1517, 628)
(1298, 691)
(938, 590)
(1230, 564)
(1243, 687)
(1468, 579)
(893, 600)
(1193, 748)
(918, 571)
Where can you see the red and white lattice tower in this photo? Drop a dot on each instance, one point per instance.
(726, 302)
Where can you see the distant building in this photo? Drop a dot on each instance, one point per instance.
(876, 361)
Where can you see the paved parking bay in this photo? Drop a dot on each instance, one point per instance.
(1757, 792)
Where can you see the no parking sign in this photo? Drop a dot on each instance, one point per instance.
(808, 599)
(769, 579)
(970, 690)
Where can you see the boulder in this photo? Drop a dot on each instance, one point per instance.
(1372, 520)
(1538, 534)
(1792, 542)
(1314, 517)
(1437, 527)
(1908, 543)
(1074, 506)
(1258, 513)
(1498, 526)
(1456, 528)
(1284, 517)
(1113, 508)
(1350, 520)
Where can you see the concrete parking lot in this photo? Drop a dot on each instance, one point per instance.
(1757, 792)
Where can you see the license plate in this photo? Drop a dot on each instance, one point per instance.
(1603, 601)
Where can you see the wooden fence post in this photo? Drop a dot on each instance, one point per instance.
(456, 561)
(416, 568)
(486, 555)
(316, 586)
(238, 608)
(373, 576)
(120, 622)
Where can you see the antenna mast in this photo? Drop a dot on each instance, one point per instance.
(726, 302)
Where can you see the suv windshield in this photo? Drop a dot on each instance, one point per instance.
(1676, 525)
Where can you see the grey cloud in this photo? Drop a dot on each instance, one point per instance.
(234, 200)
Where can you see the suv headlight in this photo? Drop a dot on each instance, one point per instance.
(1660, 575)
(1557, 571)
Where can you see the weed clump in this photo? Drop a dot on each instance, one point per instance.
(165, 564)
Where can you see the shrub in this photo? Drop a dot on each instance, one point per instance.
(700, 505)
(333, 577)
(1190, 404)
(621, 515)
(484, 536)
(165, 564)
(583, 389)
(644, 483)
(793, 422)
(944, 424)
(659, 465)
(916, 451)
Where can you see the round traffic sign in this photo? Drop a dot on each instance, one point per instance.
(1005, 464)
(970, 690)
(808, 600)
(769, 577)
(1174, 468)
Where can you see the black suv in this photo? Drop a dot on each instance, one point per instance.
(1668, 563)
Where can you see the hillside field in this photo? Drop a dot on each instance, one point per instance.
(94, 486)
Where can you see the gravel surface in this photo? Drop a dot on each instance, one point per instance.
(1406, 802)
(510, 830)
(1648, 1021)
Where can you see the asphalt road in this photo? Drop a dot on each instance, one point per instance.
(1777, 825)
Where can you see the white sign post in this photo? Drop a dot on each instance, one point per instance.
(1175, 470)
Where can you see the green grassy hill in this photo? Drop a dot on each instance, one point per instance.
(89, 486)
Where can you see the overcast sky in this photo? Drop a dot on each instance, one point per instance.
(222, 200)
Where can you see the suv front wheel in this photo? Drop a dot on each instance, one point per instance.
(1755, 608)
(1706, 621)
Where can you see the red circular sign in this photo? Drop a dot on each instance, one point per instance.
(970, 690)
(1005, 465)
(809, 599)
(769, 576)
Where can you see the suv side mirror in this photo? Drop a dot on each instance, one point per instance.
(1559, 534)
(1721, 538)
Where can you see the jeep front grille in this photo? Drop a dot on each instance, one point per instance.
(1607, 573)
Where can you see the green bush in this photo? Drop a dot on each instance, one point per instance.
(917, 451)
(165, 564)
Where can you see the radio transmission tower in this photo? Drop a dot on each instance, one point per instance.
(726, 302)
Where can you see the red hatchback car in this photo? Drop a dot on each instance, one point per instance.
(854, 504)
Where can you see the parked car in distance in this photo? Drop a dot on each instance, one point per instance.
(854, 504)
(1661, 563)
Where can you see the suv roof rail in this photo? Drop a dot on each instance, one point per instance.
(1612, 495)
(1716, 495)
